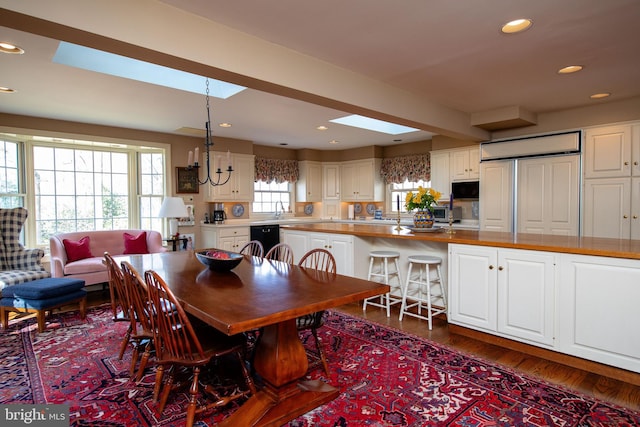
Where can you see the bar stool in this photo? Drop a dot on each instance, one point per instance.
(382, 274)
(422, 293)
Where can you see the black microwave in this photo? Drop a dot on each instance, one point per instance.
(466, 190)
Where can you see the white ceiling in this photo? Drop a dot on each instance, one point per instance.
(448, 52)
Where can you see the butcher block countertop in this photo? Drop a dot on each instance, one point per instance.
(616, 248)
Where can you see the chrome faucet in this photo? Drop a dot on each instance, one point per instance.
(279, 211)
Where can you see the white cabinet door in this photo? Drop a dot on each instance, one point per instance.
(526, 286)
(209, 238)
(331, 181)
(608, 152)
(474, 163)
(473, 286)
(340, 246)
(548, 190)
(360, 180)
(232, 238)
(635, 208)
(496, 195)
(240, 185)
(607, 203)
(598, 310)
(299, 242)
(465, 164)
(309, 183)
(440, 177)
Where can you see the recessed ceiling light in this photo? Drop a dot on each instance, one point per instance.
(570, 69)
(333, 141)
(6, 47)
(225, 125)
(6, 90)
(516, 26)
(322, 128)
(600, 95)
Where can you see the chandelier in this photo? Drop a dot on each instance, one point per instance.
(208, 145)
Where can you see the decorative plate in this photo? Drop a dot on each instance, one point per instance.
(237, 210)
(371, 208)
(357, 208)
(308, 209)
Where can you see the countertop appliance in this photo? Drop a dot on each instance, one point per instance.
(441, 213)
(268, 235)
(218, 216)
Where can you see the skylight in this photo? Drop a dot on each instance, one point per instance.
(373, 124)
(134, 69)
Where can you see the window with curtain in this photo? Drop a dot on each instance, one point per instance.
(405, 174)
(271, 188)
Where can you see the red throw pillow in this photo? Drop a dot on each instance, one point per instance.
(77, 250)
(135, 244)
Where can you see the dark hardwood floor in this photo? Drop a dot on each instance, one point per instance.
(617, 386)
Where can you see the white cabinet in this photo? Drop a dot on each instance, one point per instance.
(496, 195)
(341, 247)
(232, 238)
(331, 181)
(612, 182)
(507, 292)
(440, 177)
(598, 310)
(547, 196)
(309, 183)
(612, 151)
(361, 180)
(465, 164)
(240, 185)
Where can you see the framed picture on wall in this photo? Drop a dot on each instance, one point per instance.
(187, 180)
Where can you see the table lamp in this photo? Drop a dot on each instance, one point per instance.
(173, 208)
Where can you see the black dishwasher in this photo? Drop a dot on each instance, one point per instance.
(268, 235)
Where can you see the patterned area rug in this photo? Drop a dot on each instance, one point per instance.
(386, 378)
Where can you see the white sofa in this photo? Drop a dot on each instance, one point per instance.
(92, 270)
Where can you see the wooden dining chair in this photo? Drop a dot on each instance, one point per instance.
(140, 316)
(280, 252)
(179, 345)
(321, 260)
(253, 248)
(120, 302)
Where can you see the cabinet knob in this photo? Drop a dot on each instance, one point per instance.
(625, 216)
(626, 163)
(491, 267)
(635, 163)
(500, 268)
(635, 217)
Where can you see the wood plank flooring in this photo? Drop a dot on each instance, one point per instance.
(617, 386)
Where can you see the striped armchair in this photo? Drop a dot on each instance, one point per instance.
(17, 264)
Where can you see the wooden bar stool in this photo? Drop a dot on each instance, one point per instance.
(380, 259)
(419, 289)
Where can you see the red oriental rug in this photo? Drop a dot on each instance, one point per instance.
(386, 378)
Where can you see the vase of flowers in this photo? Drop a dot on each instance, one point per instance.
(423, 200)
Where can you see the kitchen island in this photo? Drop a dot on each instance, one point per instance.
(568, 295)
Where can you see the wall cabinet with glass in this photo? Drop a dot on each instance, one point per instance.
(240, 185)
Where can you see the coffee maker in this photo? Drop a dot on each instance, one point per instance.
(218, 215)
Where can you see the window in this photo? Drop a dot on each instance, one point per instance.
(11, 185)
(152, 185)
(267, 194)
(402, 190)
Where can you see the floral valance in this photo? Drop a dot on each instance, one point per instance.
(413, 168)
(277, 170)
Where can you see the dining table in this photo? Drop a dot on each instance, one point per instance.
(266, 295)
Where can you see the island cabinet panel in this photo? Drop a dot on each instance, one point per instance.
(598, 310)
(507, 292)
(341, 247)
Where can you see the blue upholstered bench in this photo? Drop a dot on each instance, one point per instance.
(40, 296)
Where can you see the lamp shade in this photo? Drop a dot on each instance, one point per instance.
(173, 207)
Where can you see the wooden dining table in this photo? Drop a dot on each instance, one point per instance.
(260, 293)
